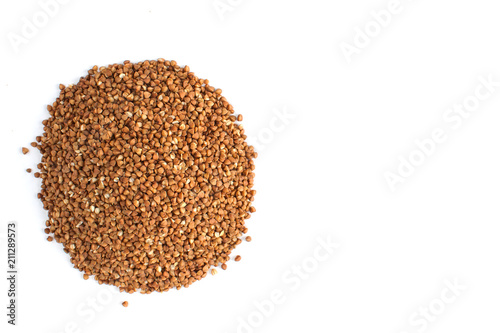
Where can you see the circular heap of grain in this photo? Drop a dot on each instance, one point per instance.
(146, 175)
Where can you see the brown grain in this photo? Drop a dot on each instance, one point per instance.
(146, 177)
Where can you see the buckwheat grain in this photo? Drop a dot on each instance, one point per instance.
(146, 177)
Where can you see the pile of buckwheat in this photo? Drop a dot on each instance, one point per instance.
(146, 175)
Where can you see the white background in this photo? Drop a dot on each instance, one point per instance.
(321, 175)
